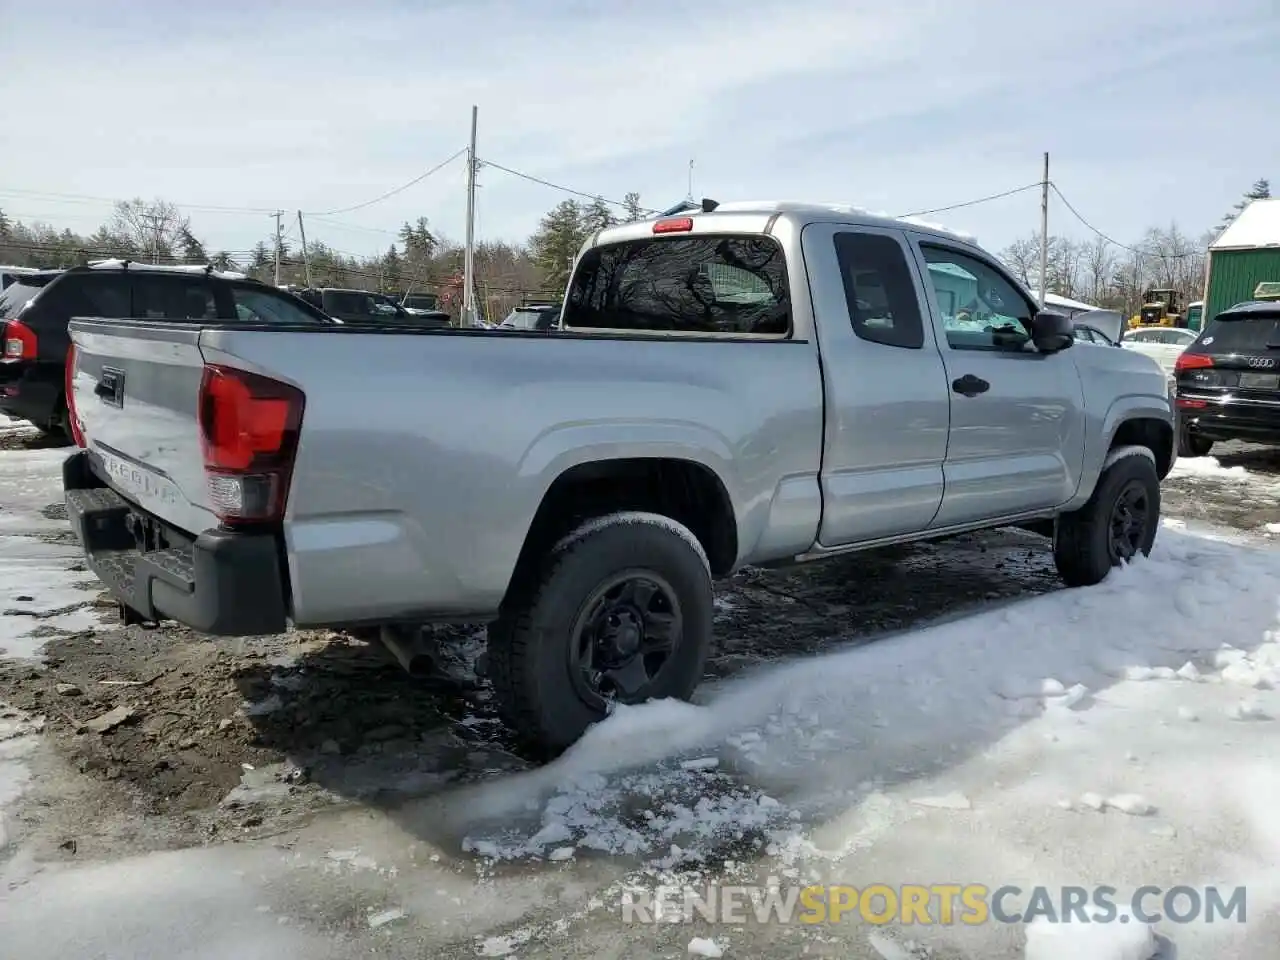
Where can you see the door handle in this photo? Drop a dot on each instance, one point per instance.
(970, 386)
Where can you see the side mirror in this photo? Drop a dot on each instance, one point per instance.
(1052, 332)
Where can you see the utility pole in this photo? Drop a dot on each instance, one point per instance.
(279, 232)
(306, 259)
(153, 219)
(690, 179)
(1044, 232)
(469, 254)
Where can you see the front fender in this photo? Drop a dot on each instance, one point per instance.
(1102, 433)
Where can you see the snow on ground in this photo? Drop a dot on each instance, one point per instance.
(1124, 734)
(1119, 734)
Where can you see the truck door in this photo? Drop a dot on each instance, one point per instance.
(1017, 429)
(884, 385)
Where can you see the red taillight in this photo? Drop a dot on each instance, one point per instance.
(1192, 361)
(19, 341)
(1186, 403)
(249, 427)
(677, 225)
(68, 388)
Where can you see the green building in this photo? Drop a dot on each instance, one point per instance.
(1245, 255)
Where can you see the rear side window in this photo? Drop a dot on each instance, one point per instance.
(96, 295)
(730, 286)
(263, 306)
(1242, 333)
(173, 298)
(882, 300)
(14, 298)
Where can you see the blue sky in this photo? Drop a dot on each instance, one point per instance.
(1151, 112)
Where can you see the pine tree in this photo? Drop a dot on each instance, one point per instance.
(5, 226)
(556, 243)
(1261, 190)
(596, 215)
(192, 249)
(261, 256)
(634, 210)
(391, 270)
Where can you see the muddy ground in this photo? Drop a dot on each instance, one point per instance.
(165, 739)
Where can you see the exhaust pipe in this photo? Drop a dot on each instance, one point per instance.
(409, 651)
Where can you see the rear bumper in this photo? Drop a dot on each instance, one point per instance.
(221, 582)
(1237, 418)
(30, 391)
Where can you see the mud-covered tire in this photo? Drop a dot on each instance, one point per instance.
(529, 656)
(1189, 445)
(1082, 545)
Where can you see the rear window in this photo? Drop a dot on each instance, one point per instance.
(732, 286)
(15, 296)
(1242, 333)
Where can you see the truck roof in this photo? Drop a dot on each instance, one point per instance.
(762, 210)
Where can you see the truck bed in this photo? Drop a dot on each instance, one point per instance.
(424, 454)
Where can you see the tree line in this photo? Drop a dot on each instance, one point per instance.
(1098, 271)
(1110, 275)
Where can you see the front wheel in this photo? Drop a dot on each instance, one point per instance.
(1118, 523)
(621, 612)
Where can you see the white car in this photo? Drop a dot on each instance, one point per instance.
(1163, 344)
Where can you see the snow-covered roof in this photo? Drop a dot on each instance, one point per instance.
(1258, 225)
(1053, 300)
(118, 264)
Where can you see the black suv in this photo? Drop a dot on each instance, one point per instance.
(35, 311)
(1228, 380)
(361, 306)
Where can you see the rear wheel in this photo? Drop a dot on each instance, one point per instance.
(1118, 523)
(621, 613)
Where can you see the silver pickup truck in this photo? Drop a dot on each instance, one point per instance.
(749, 384)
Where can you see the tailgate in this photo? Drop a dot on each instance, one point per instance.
(137, 392)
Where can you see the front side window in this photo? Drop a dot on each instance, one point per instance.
(732, 286)
(981, 309)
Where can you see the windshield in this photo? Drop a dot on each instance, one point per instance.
(422, 301)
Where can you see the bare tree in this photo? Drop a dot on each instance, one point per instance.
(154, 230)
(1099, 266)
(1023, 258)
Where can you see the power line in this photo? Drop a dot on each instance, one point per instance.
(563, 189)
(354, 226)
(86, 198)
(1123, 246)
(390, 193)
(973, 203)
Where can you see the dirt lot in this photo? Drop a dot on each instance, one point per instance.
(182, 740)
